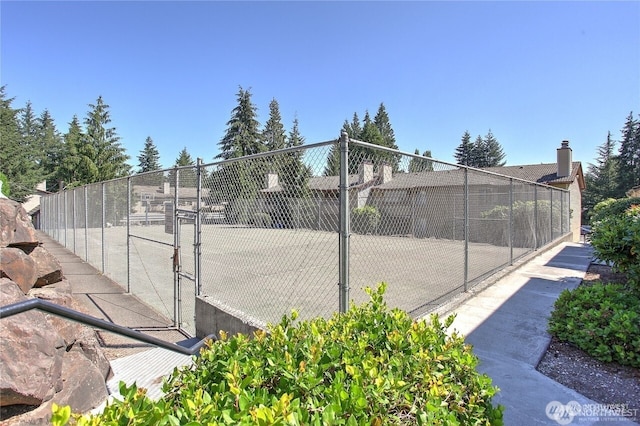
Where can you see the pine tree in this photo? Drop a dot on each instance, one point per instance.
(149, 158)
(353, 129)
(16, 161)
(601, 178)
(464, 151)
(381, 120)
(274, 135)
(103, 156)
(51, 149)
(295, 174)
(494, 154)
(417, 165)
(68, 173)
(479, 153)
(293, 177)
(242, 136)
(187, 176)
(629, 156)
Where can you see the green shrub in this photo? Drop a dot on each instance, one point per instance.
(616, 239)
(369, 366)
(6, 190)
(602, 319)
(612, 207)
(523, 223)
(365, 220)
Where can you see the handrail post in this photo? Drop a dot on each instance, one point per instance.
(344, 223)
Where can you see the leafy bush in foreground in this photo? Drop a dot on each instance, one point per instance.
(603, 320)
(369, 366)
(616, 239)
(612, 207)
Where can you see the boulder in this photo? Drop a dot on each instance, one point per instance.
(18, 267)
(16, 229)
(31, 353)
(75, 335)
(48, 268)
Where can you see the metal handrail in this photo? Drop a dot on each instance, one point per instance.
(70, 314)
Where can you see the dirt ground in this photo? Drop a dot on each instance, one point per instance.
(605, 383)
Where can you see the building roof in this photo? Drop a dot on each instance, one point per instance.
(541, 173)
(323, 183)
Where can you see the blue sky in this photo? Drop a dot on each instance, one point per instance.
(535, 73)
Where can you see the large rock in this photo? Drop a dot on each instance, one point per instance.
(48, 268)
(31, 353)
(75, 335)
(18, 267)
(16, 229)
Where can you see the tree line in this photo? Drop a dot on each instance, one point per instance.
(32, 149)
(615, 171)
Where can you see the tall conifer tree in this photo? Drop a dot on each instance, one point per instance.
(242, 136)
(149, 158)
(274, 135)
(629, 156)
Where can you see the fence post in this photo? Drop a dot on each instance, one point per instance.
(197, 236)
(466, 228)
(64, 211)
(511, 229)
(176, 248)
(535, 217)
(104, 219)
(86, 225)
(73, 219)
(344, 223)
(128, 235)
(551, 212)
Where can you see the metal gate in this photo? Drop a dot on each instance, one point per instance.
(184, 269)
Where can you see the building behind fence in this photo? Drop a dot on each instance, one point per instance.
(305, 228)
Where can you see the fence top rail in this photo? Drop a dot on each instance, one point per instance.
(275, 152)
(459, 166)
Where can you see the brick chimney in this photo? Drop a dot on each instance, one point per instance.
(365, 172)
(564, 160)
(385, 172)
(272, 180)
(166, 188)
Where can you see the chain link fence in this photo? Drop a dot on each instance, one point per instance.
(305, 228)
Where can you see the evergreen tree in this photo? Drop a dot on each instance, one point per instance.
(16, 161)
(274, 136)
(187, 176)
(464, 151)
(103, 156)
(417, 165)
(242, 136)
(353, 129)
(51, 149)
(68, 173)
(479, 153)
(601, 178)
(629, 156)
(332, 167)
(494, 153)
(149, 158)
(381, 120)
(293, 177)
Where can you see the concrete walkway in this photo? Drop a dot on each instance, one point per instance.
(506, 323)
